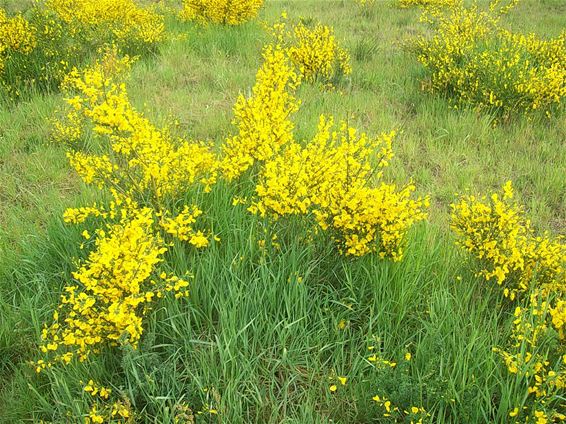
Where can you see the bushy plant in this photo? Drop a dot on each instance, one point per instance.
(16, 35)
(475, 61)
(263, 119)
(335, 178)
(140, 169)
(225, 12)
(314, 50)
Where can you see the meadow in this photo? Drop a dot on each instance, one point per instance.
(285, 320)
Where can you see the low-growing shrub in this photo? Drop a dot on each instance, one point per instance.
(475, 61)
(263, 119)
(335, 178)
(140, 170)
(338, 179)
(314, 50)
(225, 12)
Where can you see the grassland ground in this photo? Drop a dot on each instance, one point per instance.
(266, 332)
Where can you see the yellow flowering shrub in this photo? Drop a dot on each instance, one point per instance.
(495, 231)
(532, 270)
(17, 37)
(143, 169)
(409, 3)
(337, 178)
(226, 12)
(471, 57)
(262, 119)
(314, 51)
(106, 302)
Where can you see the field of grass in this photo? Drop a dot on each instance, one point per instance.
(266, 332)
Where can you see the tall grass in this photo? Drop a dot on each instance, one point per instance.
(265, 332)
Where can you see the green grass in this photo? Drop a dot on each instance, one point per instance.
(252, 340)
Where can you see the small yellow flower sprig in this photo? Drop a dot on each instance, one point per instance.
(103, 410)
(337, 178)
(182, 227)
(16, 35)
(314, 51)
(333, 388)
(536, 358)
(225, 12)
(263, 119)
(414, 415)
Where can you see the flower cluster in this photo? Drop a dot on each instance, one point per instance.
(338, 178)
(263, 118)
(495, 231)
(314, 51)
(17, 39)
(532, 270)
(414, 415)
(16, 36)
(181, 227)
(225, 12)
(112, 290)
(103, 410)
(121, 21)
(474, 59)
